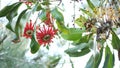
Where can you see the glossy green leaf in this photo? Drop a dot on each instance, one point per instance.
(83, 39)
(79, 50)
(46, 2)
(42, 15)
(91, 5)
(13, 13)
(98, 58)
(57, 15)
(24, 19)
(101, 2)
(61, 27)
(8, 9)
(86, 12)
(37, 7)
(115, 41)
(73, 34)
(90, 63)
(94, 61)
(34, 45)
(9, 27)
(53, 61)
(80, 21)
(18, 26)
(83, 52)
(109, 58)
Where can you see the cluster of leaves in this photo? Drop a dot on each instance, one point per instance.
(91, 21)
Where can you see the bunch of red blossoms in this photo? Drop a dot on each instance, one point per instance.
(44, 35)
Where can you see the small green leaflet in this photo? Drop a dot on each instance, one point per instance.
(37, 7)
(80, 21)
(98, 58)
(17, 26)
(79, 50)
(8, 9)
(83, 39)
(42, 15)
(34, 45)
(57, 15)
(11, 14)
(61, 27)
(94, 61)
(53, 61)
(86, 12)
(115, 40)
(72, 34)
(91, 5)
(109, 58)
(90, 63)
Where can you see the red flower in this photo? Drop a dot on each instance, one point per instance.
(28, 31)
(48, 20)
(45, 35)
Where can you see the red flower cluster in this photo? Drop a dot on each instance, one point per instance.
(45, 35)
(29, 29)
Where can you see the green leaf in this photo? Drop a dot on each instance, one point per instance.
(13, 13)
(53, 61)
(17, 26)
(8, 9)
(34, 45)
(83, 39)
(37, 7)
(109, 58)
(78, 54)
(42, 15)
(90, 63)
(80, 21)
(57, 15)
(86, 12)
(115, 41)
(73, 34)
(94, 61)
(61, 27)
(91, 5)
(79, 50)
(45, 2)
(9, 27)
(47, 47)
(98, 58)
(25, 18)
